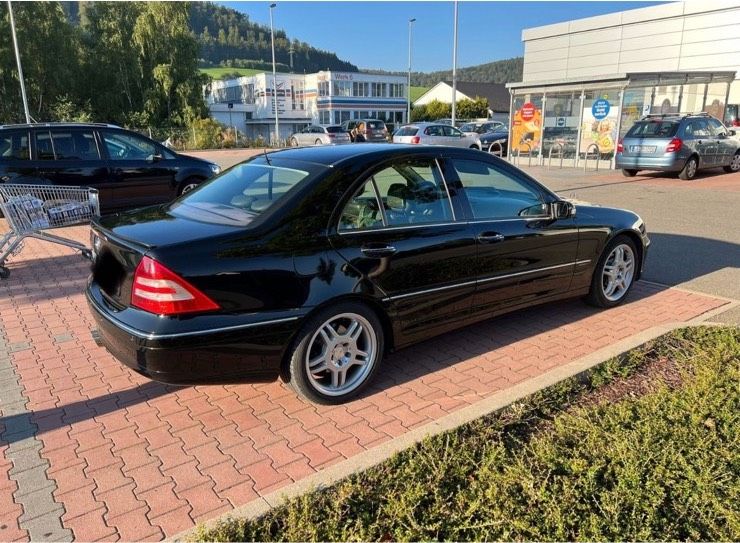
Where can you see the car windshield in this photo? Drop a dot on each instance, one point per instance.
(653, 129)
(239, 195)
(334, 129)
(377, 125)
(470, 127)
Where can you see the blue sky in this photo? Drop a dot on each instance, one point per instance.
(375, 34)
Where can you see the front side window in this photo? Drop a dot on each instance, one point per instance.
(452, 131)
(409, 192)
(123, 146)
(696, 128)
(14, 146)
(496, 194)
(717, 128)
(75, 145)
(239, 195)
(44, 148)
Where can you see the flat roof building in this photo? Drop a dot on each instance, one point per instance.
(585, 82)
(327, 97)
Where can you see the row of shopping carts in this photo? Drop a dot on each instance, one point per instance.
(33, 210)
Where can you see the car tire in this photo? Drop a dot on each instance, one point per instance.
(614, 274)
(293, 142)
(629, 173)
(734, 165)
(317, 142)
(189, 184)
(332, 341)
(689, 170)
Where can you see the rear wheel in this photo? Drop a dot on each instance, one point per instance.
(336, 353)
(690, 169)
(629, 173)
(317, 142)
(293, 142)
(734, 165)
(614, 274)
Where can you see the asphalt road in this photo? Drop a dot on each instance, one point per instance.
(694, 225)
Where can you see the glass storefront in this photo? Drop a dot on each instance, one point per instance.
(560, 125)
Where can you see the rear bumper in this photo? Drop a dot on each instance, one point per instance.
(201, 353)
(664, 164)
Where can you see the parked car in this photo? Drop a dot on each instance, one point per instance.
(443, 121)
(349, 126)
(435, 134)
(319, 135)
(313, 263)
(496, 141)
(481, 127)
(128, 169)
(370, 130)
(682, 144)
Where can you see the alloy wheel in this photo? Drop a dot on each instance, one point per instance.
(187, 188)
(341, 354)
(618, 272)
(735, 164)
(691, 169)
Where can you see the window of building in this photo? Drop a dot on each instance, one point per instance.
(342, 88)
(396, 90)
(379, 90)
(324, 117)
(323, 88)
(337, 118)
(345, 116)
(360, 88)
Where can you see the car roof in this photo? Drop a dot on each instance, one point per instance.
(58, 125)
(331, 155)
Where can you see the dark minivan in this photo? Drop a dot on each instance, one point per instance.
(128, 169)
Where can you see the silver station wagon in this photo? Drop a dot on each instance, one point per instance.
(683, 144)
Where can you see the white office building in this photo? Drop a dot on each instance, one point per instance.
(248, 103)
(586, 81)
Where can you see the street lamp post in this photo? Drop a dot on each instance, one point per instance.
(18, 62)
(274, 80)
(408, 83)
(454, 69)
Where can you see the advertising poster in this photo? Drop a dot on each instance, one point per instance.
(526, 128)
(600, 127)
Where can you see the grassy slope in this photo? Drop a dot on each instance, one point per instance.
(217, 73)
(660, 465)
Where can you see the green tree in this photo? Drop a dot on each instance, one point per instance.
(438, 110)
(419, 113)
(472, 109)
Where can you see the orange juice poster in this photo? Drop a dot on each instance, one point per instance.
(526, 130)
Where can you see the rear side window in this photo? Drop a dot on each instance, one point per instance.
(653, 129)
(44, 147)
(239, 195)
(14, 146)
(407, 131)
(74, 145)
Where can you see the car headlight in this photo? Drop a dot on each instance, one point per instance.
(216, 169)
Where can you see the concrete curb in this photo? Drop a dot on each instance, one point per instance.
(372, 457)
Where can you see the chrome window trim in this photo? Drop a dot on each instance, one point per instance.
(467, 283)
(404, 227)
(447, 189)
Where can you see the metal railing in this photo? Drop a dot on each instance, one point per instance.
(519, 153)
(499, 149)
(585, 158)
(561, 153)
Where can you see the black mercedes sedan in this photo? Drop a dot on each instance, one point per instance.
(313, 263)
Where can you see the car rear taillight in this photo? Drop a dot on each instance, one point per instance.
(158, 290)
(674, 146)
(415, 139)
(620, 147)
(331, 135)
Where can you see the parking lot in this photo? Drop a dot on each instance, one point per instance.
(90, 450)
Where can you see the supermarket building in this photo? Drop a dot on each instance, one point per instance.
(248, 104)
(585, 82)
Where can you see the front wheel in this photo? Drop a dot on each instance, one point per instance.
(629, 172)
(336, 353)
(689, 170)
(188, 185)
(614, 274)
(734, 165)
(317, 142)
(293, 142)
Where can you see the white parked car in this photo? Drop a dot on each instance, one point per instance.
(435, 134)
(319, 135)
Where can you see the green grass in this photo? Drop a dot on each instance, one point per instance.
(416, 92)
(218, 73)
(656, 464)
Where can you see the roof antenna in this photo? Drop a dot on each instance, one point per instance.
(267, 158)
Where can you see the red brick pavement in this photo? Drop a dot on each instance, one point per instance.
(136, 460)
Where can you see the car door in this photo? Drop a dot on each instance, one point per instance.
(398, 229)
(16, 165)
(705, 142)
(725, 146)
(139, 169)
(453, 137)
(523, 253)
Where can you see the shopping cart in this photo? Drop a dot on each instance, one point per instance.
(32, 209)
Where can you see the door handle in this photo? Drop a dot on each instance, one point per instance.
(378, 251)
(490, 237)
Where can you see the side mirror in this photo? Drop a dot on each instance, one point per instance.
(563, 210)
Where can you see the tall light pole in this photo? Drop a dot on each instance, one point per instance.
(274, 79)
(454, 69)
(408, 84)
(18, 62)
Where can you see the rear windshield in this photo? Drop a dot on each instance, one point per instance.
(334, 129)
(239, 195)
(407, 131)
(653, 129)
(376, 124)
